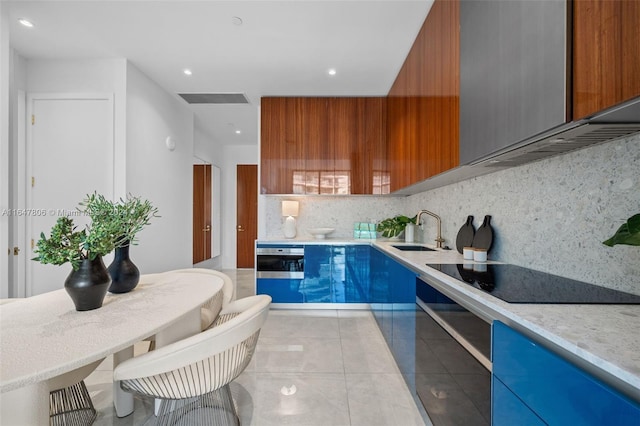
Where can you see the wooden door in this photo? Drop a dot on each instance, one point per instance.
(246, 214)
(201, 212)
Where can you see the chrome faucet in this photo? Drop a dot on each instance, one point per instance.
(439, 239)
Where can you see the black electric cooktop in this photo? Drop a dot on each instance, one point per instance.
(515, 284)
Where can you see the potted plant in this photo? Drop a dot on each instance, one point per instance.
(127, 217)
(89, 280)
(628, 233)
(394, 227)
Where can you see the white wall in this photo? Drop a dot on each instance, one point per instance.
(233, 155)
(4, 150)
(144, 115)
(88, 76)
(162, 176)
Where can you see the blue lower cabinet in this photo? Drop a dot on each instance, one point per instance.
(336, 274)
(379, 290)
(393, 302)
(508, 409)
(316, 285)
(391, 282)
(402, 282)
(281, 290)
(555, 390)
(357, 280)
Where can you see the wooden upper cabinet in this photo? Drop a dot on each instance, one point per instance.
(282, 153)
(606, 54)
(343, 133)
(319, 153)
(323, 145)
(423, 103)
(370, 148)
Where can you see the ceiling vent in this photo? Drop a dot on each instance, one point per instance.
(214, 98)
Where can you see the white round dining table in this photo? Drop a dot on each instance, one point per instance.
(43, 336)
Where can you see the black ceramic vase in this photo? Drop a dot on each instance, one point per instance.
(124, 274)
(88, 285)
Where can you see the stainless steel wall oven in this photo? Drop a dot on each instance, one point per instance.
(279, 262)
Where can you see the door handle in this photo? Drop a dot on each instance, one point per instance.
(207, 229)
(240, 229)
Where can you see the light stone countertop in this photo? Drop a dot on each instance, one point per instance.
(602, 339)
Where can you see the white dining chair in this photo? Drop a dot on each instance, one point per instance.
(210, 310)
(228, 288)
(69, 400)
(192, 376)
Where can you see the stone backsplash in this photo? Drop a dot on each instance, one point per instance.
(551, 215)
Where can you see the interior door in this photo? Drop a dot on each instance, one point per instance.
(69, 155)
(246, 214)
(201, 212)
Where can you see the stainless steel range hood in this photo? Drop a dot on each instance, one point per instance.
(613, 123)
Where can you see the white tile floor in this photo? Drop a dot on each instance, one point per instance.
(310, 368)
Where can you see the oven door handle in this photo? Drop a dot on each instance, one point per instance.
(279, 275)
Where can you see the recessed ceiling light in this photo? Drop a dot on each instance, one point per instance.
(236, 20)
(238, 132)
(332, 71)
(187, 71)
(26, 22)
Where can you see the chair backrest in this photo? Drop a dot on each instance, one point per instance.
(228, 287)
(200, 363)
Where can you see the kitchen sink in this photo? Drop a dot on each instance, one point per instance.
(413, 248)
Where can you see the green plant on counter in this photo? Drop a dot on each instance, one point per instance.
(628, 233)
(393, 227)
(128, 216)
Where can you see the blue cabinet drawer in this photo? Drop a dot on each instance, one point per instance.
(508, 410)
(556, 390)
(281, 290)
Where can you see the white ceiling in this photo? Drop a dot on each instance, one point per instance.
(282, 48)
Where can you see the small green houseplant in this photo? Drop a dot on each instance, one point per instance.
(394, 226)
(628, 233)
